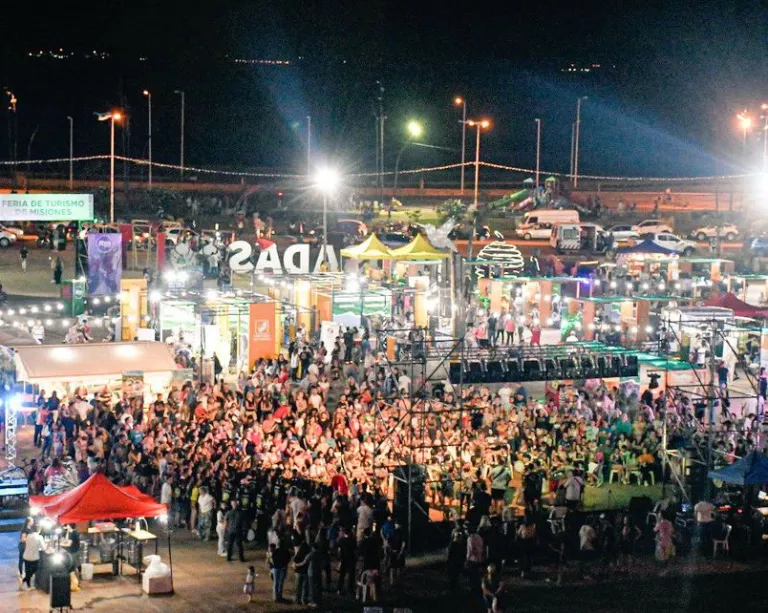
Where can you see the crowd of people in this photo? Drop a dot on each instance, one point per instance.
(299, 454)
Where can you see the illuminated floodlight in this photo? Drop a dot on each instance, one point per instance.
(33, 511)
(415, 129)
(327, 180)
(47, 308)
(16, 402)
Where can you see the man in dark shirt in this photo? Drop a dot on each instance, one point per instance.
(234, 531)
(348, 560)
(481, 500)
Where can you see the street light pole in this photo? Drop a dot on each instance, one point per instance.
(415, 130)
(463, 103)
(148, 94)
(112, 169)
(573, 134)
(576, 147)
(181, 156)
(764, 107)
(478, 125)
(538, 149)
(71, 152)
(309, 144)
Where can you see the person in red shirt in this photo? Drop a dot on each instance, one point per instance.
(340, 484)
(536, 335)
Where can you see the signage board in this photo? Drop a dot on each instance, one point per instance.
(105, 263)
(295, 259)
(46, 207)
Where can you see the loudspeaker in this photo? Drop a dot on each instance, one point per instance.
(570, 369)
(494, 372)
(454, 372)
(629, 368)
(513, 371)
(532, 370)
(610, 366)
(474, 373)
(589, 369)
(61, 591)
(400, 493)
(552, 368)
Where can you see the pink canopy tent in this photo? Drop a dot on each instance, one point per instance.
(739, 307)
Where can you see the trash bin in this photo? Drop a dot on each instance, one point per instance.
(86, 571)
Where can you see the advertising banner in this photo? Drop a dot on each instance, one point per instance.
(46, 207)
(262, 332)
(105, 263)
(347, 307)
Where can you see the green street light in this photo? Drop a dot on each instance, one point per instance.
(415, 129)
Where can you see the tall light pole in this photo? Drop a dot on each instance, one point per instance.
(327, 180)
(576, 140)
(459, 101)
(482, 124)
(764, 117)
(13, 134)
(309, 145)
(111, 117)
(181, 155)
(745, 121)
(573, 134)
(538, 149)
(148, 94)
(415, 130)
(71, 152)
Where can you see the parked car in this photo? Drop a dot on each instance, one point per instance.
(622, 233)
(671, 241)
(6, 238)
(13, 230)
(651, 226)
(535, 231)
(461, 232)
(727, 231)
(394, 239)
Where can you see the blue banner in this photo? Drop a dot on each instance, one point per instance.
(105, 263)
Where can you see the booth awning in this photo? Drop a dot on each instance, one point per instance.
(92, 360)
(752, 469)
(370, 249)
(647, 246)
(419, 249)
(97, 498)
(739, 307)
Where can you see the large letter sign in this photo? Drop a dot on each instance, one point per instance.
(241, 259)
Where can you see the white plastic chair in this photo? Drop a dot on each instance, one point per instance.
(557, 519)
(722, 543)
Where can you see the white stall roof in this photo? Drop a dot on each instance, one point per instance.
(90, 360)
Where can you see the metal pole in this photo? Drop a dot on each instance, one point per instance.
(538, 149)
(463, 141)
(397, 165)
(309, 145)
(71, 152)
(149, 144)
(381, 140)
(573, 135)
(112, 169)
(325, 227)
(576, 146)
(711, 404)
(765, 143)
(477, 163)
(181, 156)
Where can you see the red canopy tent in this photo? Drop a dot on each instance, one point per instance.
(739, 307)
(98, 498)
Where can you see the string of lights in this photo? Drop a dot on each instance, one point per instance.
(426, 169)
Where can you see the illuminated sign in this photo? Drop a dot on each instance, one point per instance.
(46, 207)
(295, 260)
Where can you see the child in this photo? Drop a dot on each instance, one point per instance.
(249, 579)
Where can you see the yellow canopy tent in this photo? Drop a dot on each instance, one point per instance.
(419, 249)
(370, 249)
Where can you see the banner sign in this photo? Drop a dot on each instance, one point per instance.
(133, 384)
(46, 207)
(262, 331)
(347, 307)
(105, 263)
(295, 260)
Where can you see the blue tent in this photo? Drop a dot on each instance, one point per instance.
(752, 469)
(647, 246)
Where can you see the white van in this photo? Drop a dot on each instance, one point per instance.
(552, 216)
(588, 237)
(539, 224)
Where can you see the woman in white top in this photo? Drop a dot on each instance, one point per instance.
(221, 525)
(33, 545)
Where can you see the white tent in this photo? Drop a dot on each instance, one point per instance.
(92, 363)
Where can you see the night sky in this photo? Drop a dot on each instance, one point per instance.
(682, 71)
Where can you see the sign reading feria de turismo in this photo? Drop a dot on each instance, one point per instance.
(295, 259)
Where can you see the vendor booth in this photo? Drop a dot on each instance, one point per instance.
(65, 368)
(110, 547)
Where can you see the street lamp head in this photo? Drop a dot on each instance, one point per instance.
(327, 180)
(485, 124)
(745, 120)
(415, 129)
(458, 101)
(146, 92)
(116, 115)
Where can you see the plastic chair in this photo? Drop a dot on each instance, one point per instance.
(722, 543)
(616, 470)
